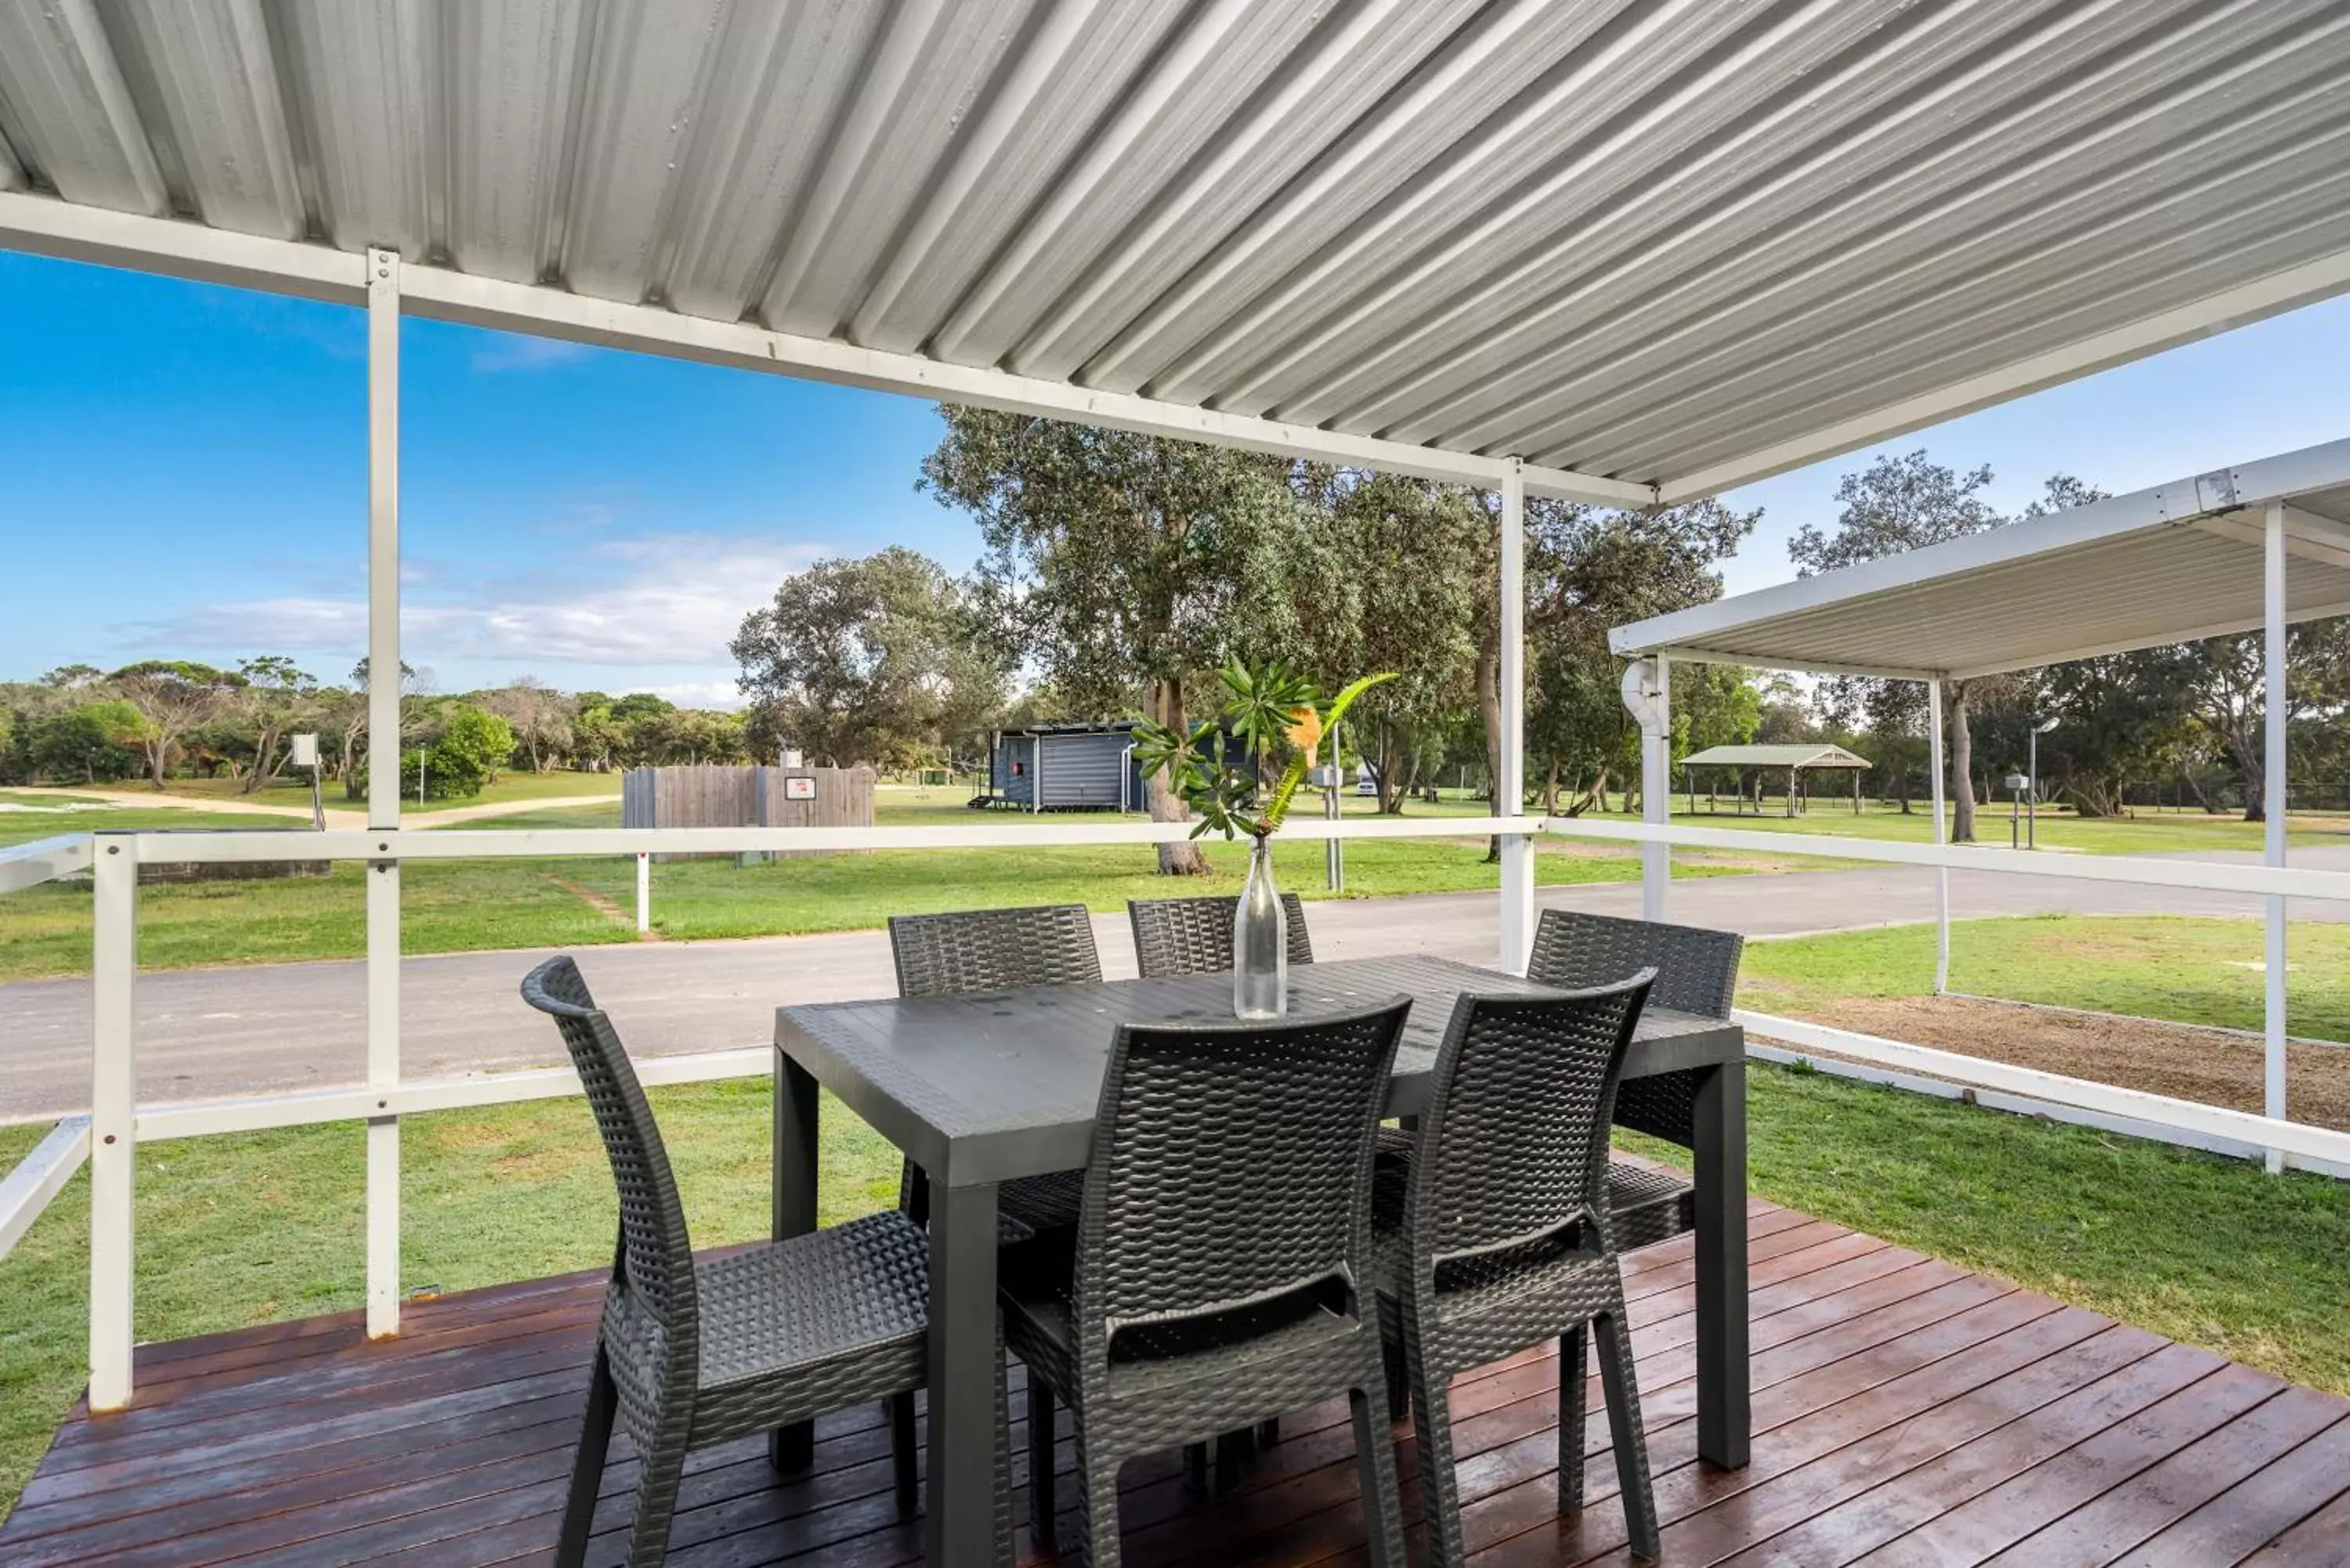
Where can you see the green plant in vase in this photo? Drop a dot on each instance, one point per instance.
(1270, 714)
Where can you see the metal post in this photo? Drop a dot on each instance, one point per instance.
(644, 894)
(1942, 836)
(383, 787)
(2276, 722)
(1517, 849)
(1334, 851)
(2032, 792)
(113, 1105)
(1656, 795)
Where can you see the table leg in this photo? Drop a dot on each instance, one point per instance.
(1725, 1417)
(958, 1528)
(793, 1449)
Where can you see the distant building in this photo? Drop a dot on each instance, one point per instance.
(1065, 767)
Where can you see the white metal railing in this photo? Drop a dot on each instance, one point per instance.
(39, 1176)
(117, 1123)
(43, 860)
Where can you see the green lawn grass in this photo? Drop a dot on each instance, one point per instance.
(2148, 832)
(2182, 970)
(240, 1229)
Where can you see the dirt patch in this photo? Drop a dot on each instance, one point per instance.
(603, 905)
(2209, 1066)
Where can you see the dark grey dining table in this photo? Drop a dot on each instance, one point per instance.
(981, 1088)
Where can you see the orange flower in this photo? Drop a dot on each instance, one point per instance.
(1304, 729)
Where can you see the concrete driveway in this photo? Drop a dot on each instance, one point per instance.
(210, 1032)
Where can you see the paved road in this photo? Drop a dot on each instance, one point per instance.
(209, 1032)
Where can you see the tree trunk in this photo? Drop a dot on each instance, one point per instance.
(1550, 789)
(1963, 768)
(1164, 697)
(1489, 704)
(1391, 786)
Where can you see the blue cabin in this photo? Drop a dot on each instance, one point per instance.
(1065, 767)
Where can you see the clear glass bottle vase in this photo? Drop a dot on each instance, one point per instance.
(1260, 942)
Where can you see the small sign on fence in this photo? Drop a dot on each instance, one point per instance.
(799, 788)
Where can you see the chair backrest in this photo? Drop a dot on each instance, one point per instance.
(1232, 1168)
(1697, 968)
(1194, 936)
(655, 1262)
(1514, 1144)
(993, 950)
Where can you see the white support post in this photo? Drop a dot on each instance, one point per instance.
(1517, 849)
(114, 1106)
(383, 787)
(644, 895)
(1941, 835)
(2276, 725)
(1656, 793)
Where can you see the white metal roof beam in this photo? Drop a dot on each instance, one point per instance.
(1795, 666)
(2307, 536)
(50, 228)
(2271, 296)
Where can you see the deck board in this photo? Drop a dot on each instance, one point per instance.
(1906, 1411)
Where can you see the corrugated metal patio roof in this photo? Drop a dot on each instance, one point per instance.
(2172, 563)
(1648, 246)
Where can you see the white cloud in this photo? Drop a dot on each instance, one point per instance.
(514, 351)
(655, 600)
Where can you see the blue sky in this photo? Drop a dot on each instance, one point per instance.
(186, 474)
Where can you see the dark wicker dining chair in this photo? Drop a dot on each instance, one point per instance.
(1496, 1238)
(1697, 973)
(697, 1352)
(997, 949)
(1194, 936)
(1218, 1272)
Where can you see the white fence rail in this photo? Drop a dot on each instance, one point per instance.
(39, 1176)
(109, 1135)
(43, 860)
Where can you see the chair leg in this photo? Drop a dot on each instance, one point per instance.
(902, 1442)
(1041, 1506)
(1439, 1488)
(1231, 1450)
(662, 1469)
(1268, 1432)
(588, 1465)
(1195, 1467)
(1624, 1426)
(1005, 1555)
(1098, 1505)
(1382, 1498)
(1572, 1362)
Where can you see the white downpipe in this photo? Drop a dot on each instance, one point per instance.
(114, 1112)
(2274, 738)
(383, 787)
(1517, 911)
(1656, 793)
(1942, 836)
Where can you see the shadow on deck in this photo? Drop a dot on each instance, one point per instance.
(1905, 1411)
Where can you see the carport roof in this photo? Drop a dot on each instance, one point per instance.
(2172, 563)
(1650, 247)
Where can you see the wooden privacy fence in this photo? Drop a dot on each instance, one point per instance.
(716, 794)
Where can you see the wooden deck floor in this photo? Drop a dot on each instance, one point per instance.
(1907, 1412)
